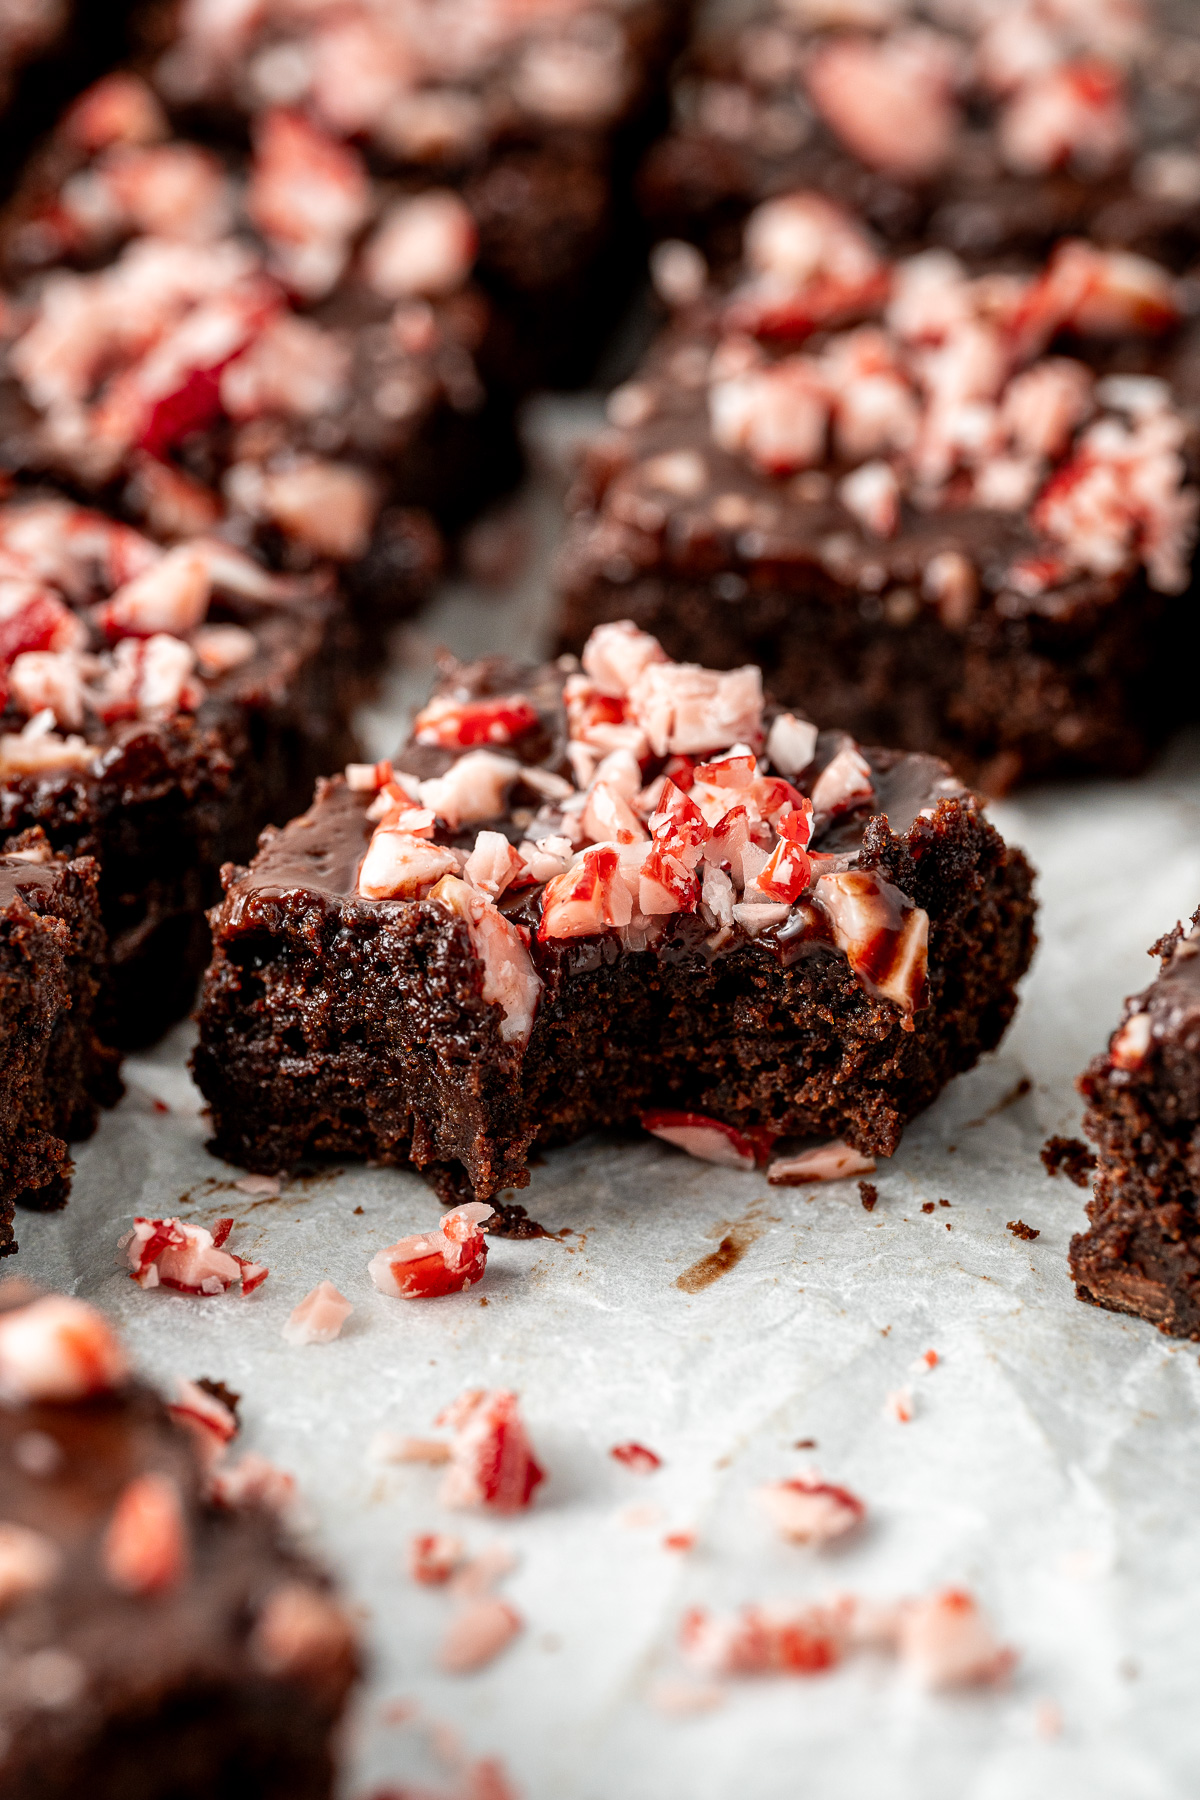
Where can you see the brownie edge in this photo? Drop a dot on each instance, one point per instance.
(1141, 1251)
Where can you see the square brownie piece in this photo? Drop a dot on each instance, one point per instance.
(992, 130)
(272, 343)
(1141, 1251)
(949, 513)
(535, 116)
(156, 1645)
(584, 898)
(157, 708)
(53, 1070)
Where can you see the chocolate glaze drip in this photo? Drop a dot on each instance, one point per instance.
(317, 856)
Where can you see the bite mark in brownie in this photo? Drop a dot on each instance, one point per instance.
(153, 1642)
(716, 911)
(1141, 1251)
(884, 483)
(157, 708)
(53, 1070)
(994, 130)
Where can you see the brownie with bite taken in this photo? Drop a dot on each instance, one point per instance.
(157, 708)
(270, 343)
(994, 130)
(535, 116)
(53, 1070)
(156, 1644)
(1141, 1251)
(946, 512)
(607, 896)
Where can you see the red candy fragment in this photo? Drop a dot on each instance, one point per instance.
(811, 1512)
(145, 1547)
(706, 1139)
(169, 1253)
(636, 1457)
(58, 1349)
(433, 1557)
(491, 1460)
(437, 1262)
(470, 724)
(762, 1640)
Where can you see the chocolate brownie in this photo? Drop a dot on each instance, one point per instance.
(535, 115)
(52, 1068)
(1141, 1251)
(994, 130)
(277, 344)
(157, 708)
(155, 1644)
(582, 898)
(889, 484)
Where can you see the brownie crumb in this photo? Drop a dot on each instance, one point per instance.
(870, 1194)
(943, 1203)
(1070, 1157)
(927, 1206)
(513, 1222)
(1019, 1229)
(220, 1392)
(805, 1444)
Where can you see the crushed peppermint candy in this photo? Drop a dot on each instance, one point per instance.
(931, 390)
(98, 626)
(824, 1162)
(478, 1634)
(432, 1264)
(189, 1258)
(491, 1459)
(637, 1458)
(810, 1511)
(145, 1547)
(58, 1349)
(433, 1557)
(319, 1317)
(29, 1563)
(212, 1423)
(683, 802)
(942, 1640)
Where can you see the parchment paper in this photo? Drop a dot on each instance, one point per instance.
(1052, 1466)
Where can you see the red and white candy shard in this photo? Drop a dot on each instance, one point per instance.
(491, 1459)
(478, 1634)
(58, 1349)
(761, 1640)
(433, 1557)
(145, 1547)
(189, 1258)
(945, 1641)
(824, 1162)
(29, 1563)
(636, 1457)
(806, 1511)
(436, 1262)
(210, 1421)
(1131, 1044)
(319, 1317)
(252, 1481)
(706, 1139)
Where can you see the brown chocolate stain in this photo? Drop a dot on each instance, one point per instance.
(738, 1235)
(1023, 1087)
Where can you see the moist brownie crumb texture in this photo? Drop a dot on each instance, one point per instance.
(1141, 1253)
(946, 512)
(991, 129)
(593, 896)
(156, 709)
(154, 1642)
(52, 1068)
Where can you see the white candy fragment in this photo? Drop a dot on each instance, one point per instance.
(319, 1317)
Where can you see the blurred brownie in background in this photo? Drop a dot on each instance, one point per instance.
(1141, 1251)
(157, 708)
(948, 512)
(52, 1067)
(993, 129)
(156, 1639)
(535, 115)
